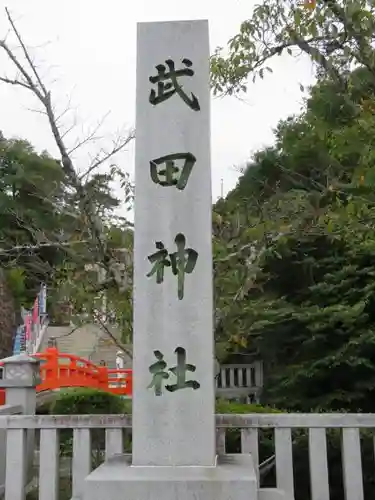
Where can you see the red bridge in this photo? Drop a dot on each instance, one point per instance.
(59, 370)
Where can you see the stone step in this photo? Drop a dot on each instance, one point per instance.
(89, 342)
(85, 337)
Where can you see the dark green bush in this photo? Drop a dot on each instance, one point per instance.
(224, 406)
(86, 401)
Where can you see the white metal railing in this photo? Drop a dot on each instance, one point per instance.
(249, 427)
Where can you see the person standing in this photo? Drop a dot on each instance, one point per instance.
(119, 363)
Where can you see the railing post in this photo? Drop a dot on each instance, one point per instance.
(258, 379)
(21, 375)
(50, 369)
(129, 383)
(103, 377)
(52, 342)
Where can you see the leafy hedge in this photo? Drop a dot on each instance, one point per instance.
(224, 406)
(86, 401)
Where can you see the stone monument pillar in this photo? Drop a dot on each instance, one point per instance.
(173, 322)
(174, 453)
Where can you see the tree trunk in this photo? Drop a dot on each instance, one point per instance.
(7, 318)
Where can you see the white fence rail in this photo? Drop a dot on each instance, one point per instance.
(113, 427)
(62, 461)
(5, 410)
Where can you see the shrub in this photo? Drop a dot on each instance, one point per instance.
(224, 406)
(86, 401)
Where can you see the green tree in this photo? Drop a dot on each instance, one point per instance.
(293, 249)
(335, 34)
(45, 237)
(41, 226)
(32, 222)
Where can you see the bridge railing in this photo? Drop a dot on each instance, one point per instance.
(67, 370)
(59, 370)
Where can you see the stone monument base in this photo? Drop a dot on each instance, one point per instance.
(233, 478)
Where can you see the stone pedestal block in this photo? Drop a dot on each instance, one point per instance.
(233, 478)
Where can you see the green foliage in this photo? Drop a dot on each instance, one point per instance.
(31, 192)
(16, 280)
(45, 236)
(224, 406)
(317, 332)
(86, 401)
(294, 253)
(335, 34)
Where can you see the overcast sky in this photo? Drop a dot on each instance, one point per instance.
(86, 52)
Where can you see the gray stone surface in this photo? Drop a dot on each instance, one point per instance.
(173, 446)
(21, 374)
(233, 478)
(175, 428)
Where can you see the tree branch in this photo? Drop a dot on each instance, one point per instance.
(119, 344)
(33, 248)
(117, 147)
(33, 82)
